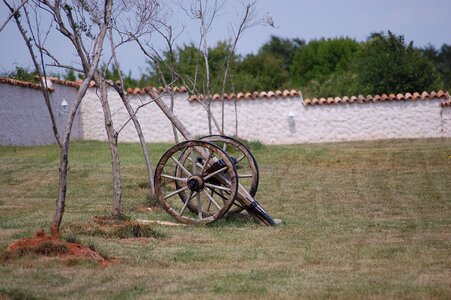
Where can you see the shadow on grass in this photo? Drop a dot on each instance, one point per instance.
(235, 220)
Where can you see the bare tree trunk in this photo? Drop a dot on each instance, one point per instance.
(169, 114)
(243, 26)
(203, 29)
(114, 151)
(142, 140)
(64, 157)
(174, 129)
(132, 114)
(236, 117)
(90, 70)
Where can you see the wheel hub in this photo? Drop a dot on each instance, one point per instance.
(195, 183)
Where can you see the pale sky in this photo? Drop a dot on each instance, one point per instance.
(421, 21)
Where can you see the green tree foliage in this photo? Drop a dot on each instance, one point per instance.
(442, 62)
(264, 71)
(283, 49)
(386, 64)
(21, 73)
(189, 66)
(70, 75)
(319, 59)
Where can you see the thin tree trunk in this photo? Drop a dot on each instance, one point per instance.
(174, 129)
(207, 66)
(236, 117)
(132, 114)
(142, 140)
(90, 70)
(64, 158)
(114, 150)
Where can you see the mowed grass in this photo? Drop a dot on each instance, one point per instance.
(361, 220)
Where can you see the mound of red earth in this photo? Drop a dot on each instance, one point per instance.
(41, 244)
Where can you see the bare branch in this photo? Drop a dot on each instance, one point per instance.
(12, 13)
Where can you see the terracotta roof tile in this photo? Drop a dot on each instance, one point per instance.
(294, 93)
(21, 83)
(75, 84)
(160, 90)
(380, 98)
(424, 95)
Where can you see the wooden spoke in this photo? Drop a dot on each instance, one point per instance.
(175, 192)
(181, 166)
(193, 160)
(175, 178)
(220, 194)
(199, 206)
(198, 164)
(206, 162)
(245, 176)
(212, 200)
(213, 186)
(215, 173)
(191, 196)
(209, 203)
(240, 158)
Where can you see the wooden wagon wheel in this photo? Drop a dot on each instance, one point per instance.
(201, 174)
(245, 164)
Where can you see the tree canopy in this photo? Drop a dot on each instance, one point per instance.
(384, 63)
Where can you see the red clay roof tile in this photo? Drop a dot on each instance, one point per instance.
(21, 83)
(380, 98)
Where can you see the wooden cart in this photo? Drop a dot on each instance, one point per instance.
(200, 181)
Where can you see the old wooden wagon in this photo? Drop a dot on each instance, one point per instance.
(199, 181)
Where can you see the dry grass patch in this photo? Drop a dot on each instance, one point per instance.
(112, 227)
(361, 220)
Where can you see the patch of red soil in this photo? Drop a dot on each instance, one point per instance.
(74, 250)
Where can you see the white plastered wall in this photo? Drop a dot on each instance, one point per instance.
(24, 117)
(275, 120)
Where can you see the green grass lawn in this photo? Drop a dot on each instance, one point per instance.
(362, 220)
